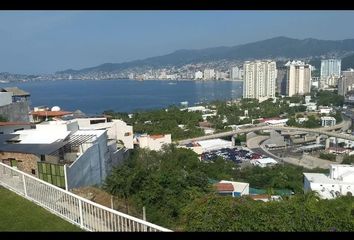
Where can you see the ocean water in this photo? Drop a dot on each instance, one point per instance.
(96, 96)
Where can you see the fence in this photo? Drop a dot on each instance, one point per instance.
(86, 214)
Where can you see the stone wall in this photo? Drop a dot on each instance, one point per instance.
(25, 162)
(16, 112)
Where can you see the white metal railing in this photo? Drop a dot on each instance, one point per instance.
(84, 213)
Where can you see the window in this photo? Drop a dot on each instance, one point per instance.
(42, 158)
(13, 163)
(33, 171)
(97, 121)
(126, 134)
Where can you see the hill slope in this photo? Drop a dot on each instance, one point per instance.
(279, 47)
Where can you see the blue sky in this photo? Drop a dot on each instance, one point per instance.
(47, 41)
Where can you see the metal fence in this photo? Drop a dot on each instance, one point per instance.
(86, 214)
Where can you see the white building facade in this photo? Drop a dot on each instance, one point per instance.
(259, 79)
(298, 78)
(116, 129)
(328, 121)
(330, 72)
(153, 142)
(209, 74)
(339, 182)
(198, 75)
(236, 73)
(330, 67)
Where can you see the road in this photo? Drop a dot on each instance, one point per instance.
(323, 130)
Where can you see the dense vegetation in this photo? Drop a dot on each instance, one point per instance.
(230, 113)
(348, 159)
(164, 122)
(300, 213)
(174, 186)
(328, 156)
(3, 119)
(328, 98)
(312, 122)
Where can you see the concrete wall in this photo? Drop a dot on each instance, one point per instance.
(12, 128)
(154, 143)
(90, 168)
(58, 126)
(123, 132)
(86, 170)
(117, 129)
(16, 112)
(336, 171)
(5, 98)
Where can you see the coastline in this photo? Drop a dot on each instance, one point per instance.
(118, 79)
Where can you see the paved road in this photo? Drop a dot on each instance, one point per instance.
(323, 130)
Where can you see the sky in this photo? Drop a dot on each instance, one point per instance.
(40, 42)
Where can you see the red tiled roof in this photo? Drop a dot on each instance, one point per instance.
(50, 113)
(156, 136)
(14, 123)
(223, 187)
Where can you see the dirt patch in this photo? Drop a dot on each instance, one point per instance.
(95, 195)
(100, 196)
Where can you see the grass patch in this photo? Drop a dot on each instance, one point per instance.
(20, 214)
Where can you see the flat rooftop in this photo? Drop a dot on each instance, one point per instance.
(323, 178)
(17, 92)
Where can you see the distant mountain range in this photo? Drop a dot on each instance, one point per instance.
(274, 48)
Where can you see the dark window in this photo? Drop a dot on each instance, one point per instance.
(42, 158)
(33, 171)
(97, 121)
(1, 132)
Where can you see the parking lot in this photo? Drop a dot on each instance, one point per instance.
(237, 155)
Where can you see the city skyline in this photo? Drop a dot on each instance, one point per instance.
(37, 42)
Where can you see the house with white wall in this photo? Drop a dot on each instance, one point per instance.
(153, 142)
(339, 182)
(116, 129)
(235, 189)
(60, 153)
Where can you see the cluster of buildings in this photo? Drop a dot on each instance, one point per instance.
(67, 149)
(262, 79)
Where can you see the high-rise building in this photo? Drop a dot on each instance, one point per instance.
(346, 82)
(236, 73)
(330, 67)
(280, 86)
(259, 79)
(209, 74)
(298, 78)
(198, 75)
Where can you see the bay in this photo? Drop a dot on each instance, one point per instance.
(96, 96)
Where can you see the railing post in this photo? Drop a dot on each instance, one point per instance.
(66, 178)
(80, 210)
(24, 185)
